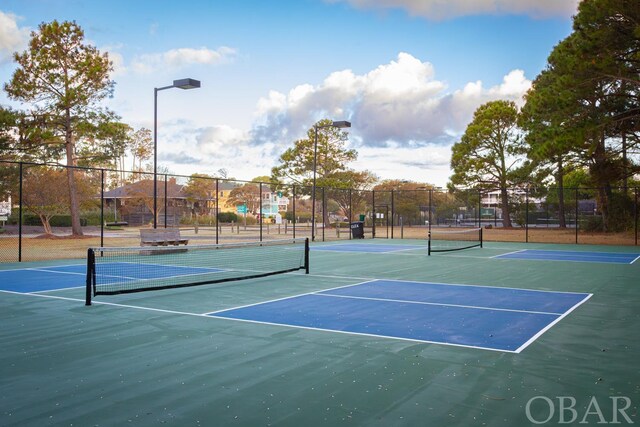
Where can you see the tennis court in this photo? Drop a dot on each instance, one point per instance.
(377, 333)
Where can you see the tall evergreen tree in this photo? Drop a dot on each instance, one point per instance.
(64, 79)
(489, 154)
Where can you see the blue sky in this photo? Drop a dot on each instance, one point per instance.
(407, 73)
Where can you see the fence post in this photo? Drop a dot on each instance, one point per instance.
(577, 222)
(216, 210)
(102, 208)
(351, 216)
(479, 209)
(260, 215)
(373, 210)
(294, 211)
(526, 216)
(635, 214)
(393, 215)
(166, 198)
(324, 210)
(430, 207)
(20, 216)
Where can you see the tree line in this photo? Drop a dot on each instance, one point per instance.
(580, 123)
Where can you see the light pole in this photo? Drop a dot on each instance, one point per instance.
(181, 84)
(340, 125)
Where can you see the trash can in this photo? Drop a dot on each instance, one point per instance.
(362, 217)
(357, 230)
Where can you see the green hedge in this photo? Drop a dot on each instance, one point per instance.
(227, 217)
(56, 221)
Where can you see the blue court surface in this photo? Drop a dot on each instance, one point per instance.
(367, 248)
(41, 279)
(575, 256)
(500, 319)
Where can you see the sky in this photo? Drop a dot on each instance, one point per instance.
(408, 74)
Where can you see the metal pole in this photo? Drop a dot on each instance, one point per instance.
(526, 217)
(166, 200)
(393, 214)
(102, 208)
(260, 215)
(577, 222)
(294, 211)
(155, 157)
(479, 209)
(217, 213)
(313, 189)
(373, 201)
(20, 217)
(351, 216)
(635, 211)
(430, 207)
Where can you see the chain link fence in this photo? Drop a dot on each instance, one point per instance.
(36, 222)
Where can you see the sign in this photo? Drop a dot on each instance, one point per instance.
(5, 207)
(241, 209)
(487, 211)
(4, 218)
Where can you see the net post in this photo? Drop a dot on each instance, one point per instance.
(481, 239)
(91, 263)
(306, 256)
(429, 244)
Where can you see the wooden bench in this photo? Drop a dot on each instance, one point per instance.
(161, 237)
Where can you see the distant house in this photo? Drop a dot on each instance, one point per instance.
(5, 207)
(133, 203)
(273, 203)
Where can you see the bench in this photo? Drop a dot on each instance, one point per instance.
(161, 237)
(116, 224)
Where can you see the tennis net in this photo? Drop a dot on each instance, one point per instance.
(112, 271)
(454, 240)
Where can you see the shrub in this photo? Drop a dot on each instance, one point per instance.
(228, 217)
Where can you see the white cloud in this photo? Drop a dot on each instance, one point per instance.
(447, 9)
(222, 141)
(428, 163)
(400, 102)
(117, 60)
(404, 122)
(179, 58)
(404, 119)
(12, 37)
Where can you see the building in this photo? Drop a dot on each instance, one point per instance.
(133, 203)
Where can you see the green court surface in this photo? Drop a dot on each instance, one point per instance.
(157, 358)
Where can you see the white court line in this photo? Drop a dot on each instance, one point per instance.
(509, 253)
(565, 260)
(289, 297)
(370, 279)
(46, 270)
(212, 315)
(550, 325)
(637, 258)
(437, 303)
(259, 322)
(137, 307)
(310, 328)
